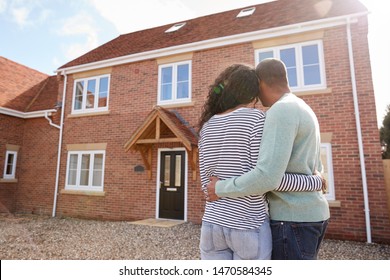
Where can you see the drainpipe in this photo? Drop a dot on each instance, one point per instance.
(359, 131)
(61, 126)
(50, 121)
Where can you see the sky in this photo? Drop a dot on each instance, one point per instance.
(46, 34)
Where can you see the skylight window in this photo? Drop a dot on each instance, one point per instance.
(246, 12)
(175, 27)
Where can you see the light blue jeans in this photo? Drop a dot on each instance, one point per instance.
(222, 243)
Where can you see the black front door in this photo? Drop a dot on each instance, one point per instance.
(172, 172)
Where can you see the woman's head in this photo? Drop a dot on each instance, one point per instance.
(236, 85)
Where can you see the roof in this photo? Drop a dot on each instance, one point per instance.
(25, 89)
(266, 16)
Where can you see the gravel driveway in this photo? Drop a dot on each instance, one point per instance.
(41, 237)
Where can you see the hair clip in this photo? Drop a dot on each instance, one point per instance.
(218, 89)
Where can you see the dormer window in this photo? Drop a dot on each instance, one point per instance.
(175, 27)
(246, 12)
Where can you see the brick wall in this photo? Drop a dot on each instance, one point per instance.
(133, 94)
(37, 167)
(11, 133)
(380, 220)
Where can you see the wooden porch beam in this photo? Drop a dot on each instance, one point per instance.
(155, 141)
(158, 132)
(193, 159)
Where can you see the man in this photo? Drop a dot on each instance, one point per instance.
(291, 143)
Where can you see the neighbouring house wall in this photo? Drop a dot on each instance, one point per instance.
(37, 168)
(11, 133)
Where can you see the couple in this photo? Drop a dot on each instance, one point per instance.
(255, 169)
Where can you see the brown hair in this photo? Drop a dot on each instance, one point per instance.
(236, 85)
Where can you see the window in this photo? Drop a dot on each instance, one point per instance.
(304, 63)
(174, 83)
(326, 159)
(10, 165)
(175, 27)
(246, 12)
(91, 95)
(85, 170)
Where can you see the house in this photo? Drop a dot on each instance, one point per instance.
(27, 142)
(121, 143)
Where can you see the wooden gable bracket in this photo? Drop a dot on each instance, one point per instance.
(193, 160)
(161, 126)
(146, 154)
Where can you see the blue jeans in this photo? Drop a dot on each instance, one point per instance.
(297, 241)
(222, 243)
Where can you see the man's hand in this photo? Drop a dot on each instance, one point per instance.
(211, 195)
(324, 184)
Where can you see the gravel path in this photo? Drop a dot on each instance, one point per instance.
(41, 237)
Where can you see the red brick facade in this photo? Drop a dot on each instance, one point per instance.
(131, 195)
(11, 131)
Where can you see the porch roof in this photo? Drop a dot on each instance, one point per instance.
(163, 126)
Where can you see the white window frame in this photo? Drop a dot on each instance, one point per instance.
(299, 63)
(174, 99)
(77, 186)
(95, 108)
(12, 175)
(330, 195)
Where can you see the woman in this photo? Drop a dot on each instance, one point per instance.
(230, 134)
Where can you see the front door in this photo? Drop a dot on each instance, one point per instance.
(172, 172)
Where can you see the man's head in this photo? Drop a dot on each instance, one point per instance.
(273, 80)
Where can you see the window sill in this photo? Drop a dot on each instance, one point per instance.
(313, 92)
(87, 193)
(8, 180)
(334, 203)
(176, 105)
(89, 114)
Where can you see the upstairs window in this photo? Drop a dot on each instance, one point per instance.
(304, 63)
(10, 165)
(174, 83)
(91, 94)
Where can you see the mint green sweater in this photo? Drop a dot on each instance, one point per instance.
(291, 143)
